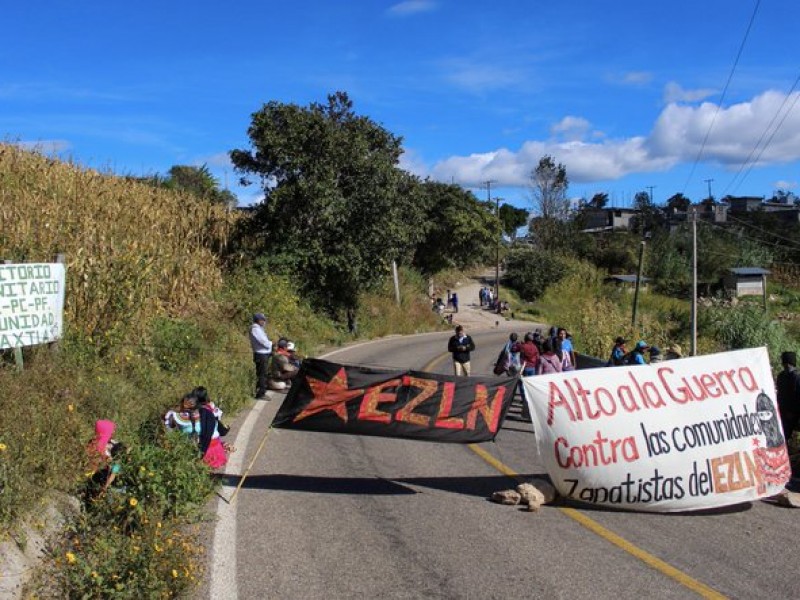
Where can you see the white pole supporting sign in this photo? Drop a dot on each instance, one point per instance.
(684, 434)
(31, 303)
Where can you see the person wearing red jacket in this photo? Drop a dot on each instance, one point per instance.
(529, 355)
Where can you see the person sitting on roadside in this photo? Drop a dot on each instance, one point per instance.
(673, 351)
(618, 353)
(637, 354)
(104, 456)
(184, 417)
(294, 358)
(281, 370)
(549, 362)
(655, 355)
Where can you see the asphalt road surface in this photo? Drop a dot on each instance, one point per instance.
(338, 516)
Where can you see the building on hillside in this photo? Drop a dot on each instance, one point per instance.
(716, 214)
(746, 281)
(627, 282)
(607, 219)
(789, 213)
(740, 204)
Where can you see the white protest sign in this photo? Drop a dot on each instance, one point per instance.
(683, 434)
(31, 304)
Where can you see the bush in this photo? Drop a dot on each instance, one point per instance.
(174, 343)
(530, 271)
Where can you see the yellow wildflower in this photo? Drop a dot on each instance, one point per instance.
(71, 558)
(174, 574)
(70, 407)
(2, 447)
(133, 502)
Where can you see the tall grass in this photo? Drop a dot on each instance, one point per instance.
(150, 313)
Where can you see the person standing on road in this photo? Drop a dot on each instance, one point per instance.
(460, 345)
(788, 390)
(454, 300)
(529, 354)
(262, 349)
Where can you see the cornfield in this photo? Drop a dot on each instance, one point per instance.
(132, 251)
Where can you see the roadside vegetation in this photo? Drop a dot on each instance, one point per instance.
(560, 275)
(162, 282)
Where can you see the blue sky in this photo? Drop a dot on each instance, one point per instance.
(622, 93)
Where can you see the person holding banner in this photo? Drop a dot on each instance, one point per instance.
(460, 346)
(788, 391)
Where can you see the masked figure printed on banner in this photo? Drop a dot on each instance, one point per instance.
(772, 461)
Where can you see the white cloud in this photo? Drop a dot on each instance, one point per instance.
(478, 77)
(673, 92)
(571, 128)
(784, 185)
(637, 78)
(220, 160)
(411, 7)
(412, 162)
(677, 136)
(46, 146)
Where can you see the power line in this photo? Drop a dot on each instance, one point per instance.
(774, 131)
(722, 97)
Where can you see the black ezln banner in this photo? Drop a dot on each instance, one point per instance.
(404, 404)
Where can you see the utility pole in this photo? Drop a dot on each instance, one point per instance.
(638, 283)
(693, 350)
(651, 188)
(488, 184)
(709, 181)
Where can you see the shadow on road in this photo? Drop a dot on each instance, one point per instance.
(472, 486)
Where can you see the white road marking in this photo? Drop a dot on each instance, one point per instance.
(223, 560)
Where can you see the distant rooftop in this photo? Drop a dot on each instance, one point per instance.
(626, 278)
(749, 271)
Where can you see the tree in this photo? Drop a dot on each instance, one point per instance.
(512, 218)
(197, 181)
(679, 202)
(460, 230)
(784, 197)
(337, 210)
(598, 201)
(549, 183)
(650, 216)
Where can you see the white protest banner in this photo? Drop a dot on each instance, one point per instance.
(31, 303)
(678, 435)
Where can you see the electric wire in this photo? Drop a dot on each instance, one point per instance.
(761, 139)
(769, 140)
(722, 97)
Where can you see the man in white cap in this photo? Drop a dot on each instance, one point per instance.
(262, 349)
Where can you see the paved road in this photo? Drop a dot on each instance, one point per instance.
(335, 516)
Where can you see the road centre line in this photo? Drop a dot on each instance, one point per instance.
(650, 560)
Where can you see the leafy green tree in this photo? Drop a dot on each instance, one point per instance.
(599, 200)
(337, 210)
(512, 219)
(548, 185)
(530, 270)
(460, 230)
(650, 216)
(679, 202)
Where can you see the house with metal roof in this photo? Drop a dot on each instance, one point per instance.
(746, 281)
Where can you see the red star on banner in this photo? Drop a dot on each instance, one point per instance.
(756, 442)
(329, 395)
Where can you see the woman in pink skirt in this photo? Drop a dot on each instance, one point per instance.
(211, 447)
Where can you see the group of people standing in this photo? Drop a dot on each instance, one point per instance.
(534, 355)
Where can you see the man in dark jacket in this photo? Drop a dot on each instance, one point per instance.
(788, 388)
(460, 345)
